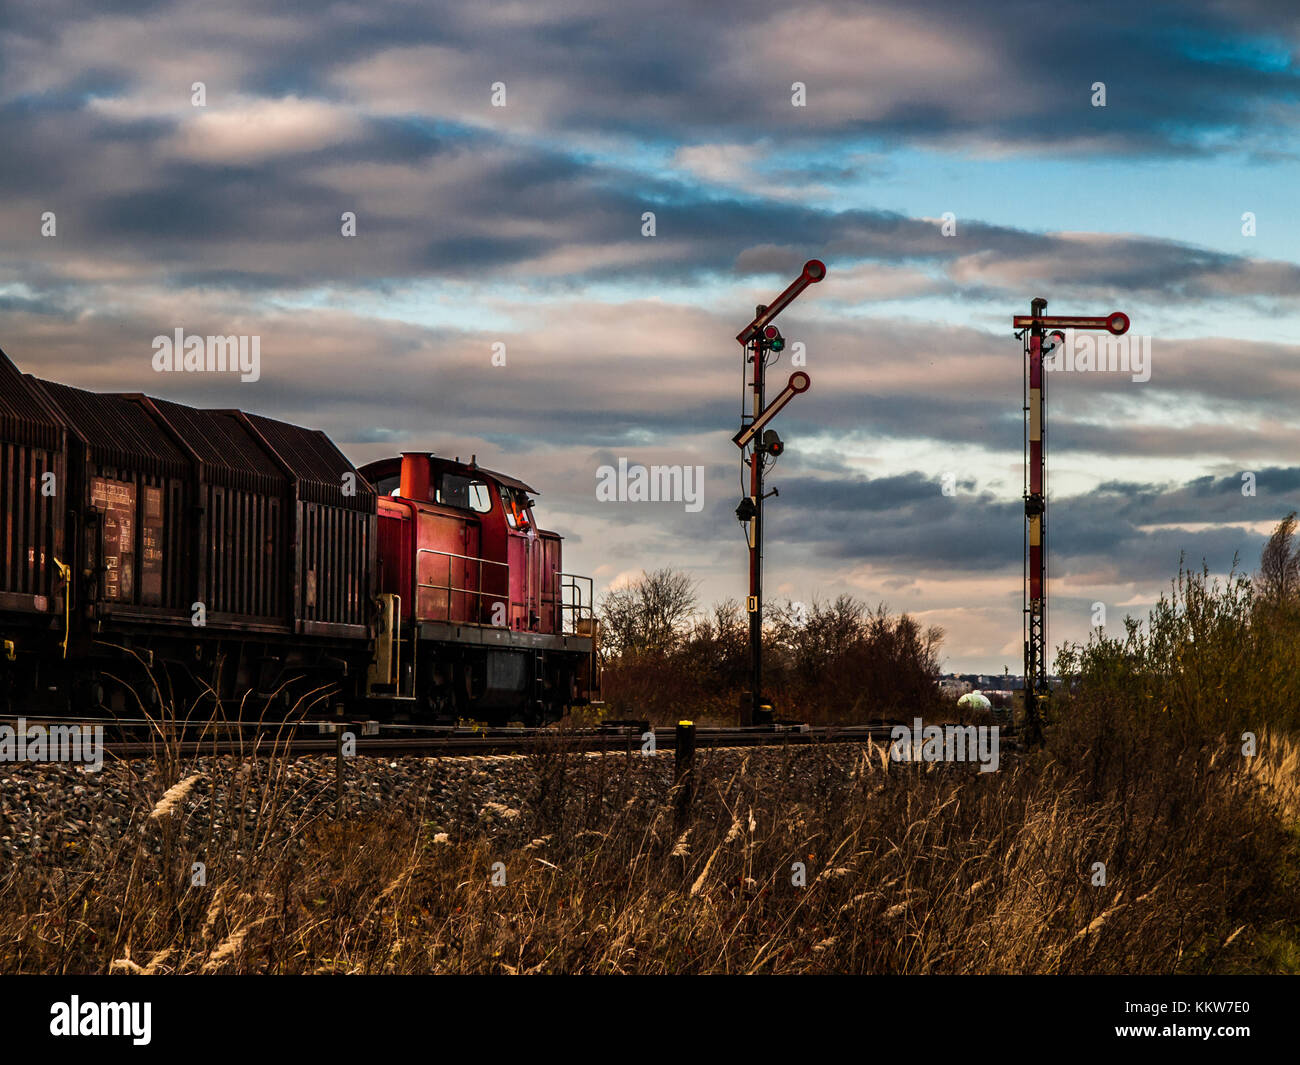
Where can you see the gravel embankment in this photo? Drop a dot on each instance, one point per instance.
(59, 815)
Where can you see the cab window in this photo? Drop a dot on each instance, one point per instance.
(515, 505)
(463, 492)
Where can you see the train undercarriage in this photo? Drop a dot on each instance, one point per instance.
(126, 672)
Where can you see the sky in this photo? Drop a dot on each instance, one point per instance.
(190, 165)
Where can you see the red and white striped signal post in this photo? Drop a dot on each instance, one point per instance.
(759, 444)
(1034, 327)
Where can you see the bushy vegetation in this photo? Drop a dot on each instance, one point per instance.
(835, 661)
(1217, 661)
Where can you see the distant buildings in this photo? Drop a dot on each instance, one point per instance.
(955, 685)
(953, 682)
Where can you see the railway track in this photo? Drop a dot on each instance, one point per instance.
(324, 738)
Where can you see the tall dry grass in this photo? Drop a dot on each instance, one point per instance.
(905, 869)
(93, 907)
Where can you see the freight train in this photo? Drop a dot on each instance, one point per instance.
(158, 552)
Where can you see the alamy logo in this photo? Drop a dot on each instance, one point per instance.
(208, 354)
(651, 484)
(57, 743)
(1092, 353)
(945, 743)
(102, 1018)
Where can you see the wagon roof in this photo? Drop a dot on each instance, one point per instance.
(23, 416)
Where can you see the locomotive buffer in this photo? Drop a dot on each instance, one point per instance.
(758, 446)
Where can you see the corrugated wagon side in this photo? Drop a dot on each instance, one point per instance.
(32, 605)
(334, 529)
(241, 535)
(230, 551)
(125, 505)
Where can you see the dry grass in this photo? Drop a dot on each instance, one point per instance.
(907, 869)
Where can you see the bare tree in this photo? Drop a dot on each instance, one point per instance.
(1279, 564)
(649, 615)
(715, 650)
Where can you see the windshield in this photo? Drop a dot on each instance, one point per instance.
(515, 504)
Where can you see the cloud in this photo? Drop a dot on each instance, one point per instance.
(251, 130)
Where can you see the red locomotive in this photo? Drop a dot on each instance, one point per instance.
(237, 553)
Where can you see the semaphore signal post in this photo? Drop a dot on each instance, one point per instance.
(1034, 329)
(759, 445)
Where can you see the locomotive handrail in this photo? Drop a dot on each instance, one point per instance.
(467, 558)
(576, 610)
(574, 605)
(451, 589)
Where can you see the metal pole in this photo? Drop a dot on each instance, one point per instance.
(1035, 326)
(757, 339)
(1036, 525)
(756, 539)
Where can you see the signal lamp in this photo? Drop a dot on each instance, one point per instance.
(775, 341)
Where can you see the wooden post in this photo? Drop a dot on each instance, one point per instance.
(684, 772)
(338, 770)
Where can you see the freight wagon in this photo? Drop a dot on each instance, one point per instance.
(244, 557)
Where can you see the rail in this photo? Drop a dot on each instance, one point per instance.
(290, 739)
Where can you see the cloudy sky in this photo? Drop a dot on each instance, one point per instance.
(522, 225)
